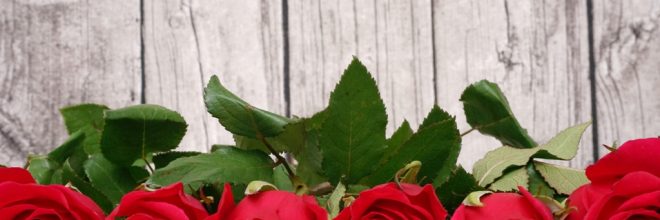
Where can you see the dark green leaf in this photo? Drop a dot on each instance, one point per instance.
(68, 148)
(68, 175)
(436, 145)
(353, 135)
(400, 136)
(290, 140)
(239, 117)
(488, 111)
(87, 118)
(163, 159)
(537, 185)
(457, 187)
(224, 165)
(135, 132)
(309, 158)
(281, 179)
(110, 179)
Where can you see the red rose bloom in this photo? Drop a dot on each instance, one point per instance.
(269, 205)
(22, 198)
(166, 203)
(388, 201)
(624, 184)
(505, 206)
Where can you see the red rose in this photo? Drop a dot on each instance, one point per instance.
(624, 184)
(389, 201)
(166, 203)
(505, 206)
(268, 205)
(22, 198)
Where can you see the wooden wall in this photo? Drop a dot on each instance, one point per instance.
(558, 62)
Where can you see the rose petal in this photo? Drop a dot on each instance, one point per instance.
(15, 174)
(543, 210)
(584, 197)
(636, 183)
(635, 155)
(636, 214)
(132, 203)
(425, 197)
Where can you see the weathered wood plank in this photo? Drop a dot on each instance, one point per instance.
(188, 41)
(392, 38)
(627, 55)
(537, 51)
(57, 53)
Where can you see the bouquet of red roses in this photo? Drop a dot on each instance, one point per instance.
(337, 164)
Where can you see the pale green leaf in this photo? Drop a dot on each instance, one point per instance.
(474, 198)
(257, 186)
(564, 145)
(563, 179)
(497, 161)
(509, 182)
(333, 202)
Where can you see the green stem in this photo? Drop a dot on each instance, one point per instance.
(467, 132)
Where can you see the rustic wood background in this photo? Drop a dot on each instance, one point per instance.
(559, 62)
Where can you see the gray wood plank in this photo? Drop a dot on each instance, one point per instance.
(537, 51)
(627, 55)
(186, 42)
(392, 38)
(57, 53)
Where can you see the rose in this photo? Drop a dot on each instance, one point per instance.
(505, 206)
(166, 203)
(268, 205)
(392, 201)
(623, 184)
(22, 198)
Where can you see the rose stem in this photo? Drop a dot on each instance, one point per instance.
(279, 157)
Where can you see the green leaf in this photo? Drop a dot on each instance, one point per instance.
(68, 148)
(436, 145)
(309, 158)
(353, 135)
(291, 139)
(135, 132)
(537, 185)
(42, 169)
(497, 161)
(257, 186)
(474, 198)
(163, 159)
(457, 187)
(399, 137)
(239, 117)
(511, 180)
(281, 179)
(335, 198)
(564, 145)
(488, 111)
(224, 165)
(112, 180)
(563, 179)
(87, 118)
(68, 175)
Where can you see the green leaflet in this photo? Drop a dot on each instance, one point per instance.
(87, 118)
(564, 145)
(488, 111)
(112, 180)
(136, 132)
(42, 169)
(224, 165)
(353, 134)
(563, 179)
(332, 205)
(292, 139)
(47, 169)
(163, 159)
(394, 143)
(510, 181)
(436, 145)
(537, 184)
(457, 187)
(68, 175)
(239, 117)
(497, 161)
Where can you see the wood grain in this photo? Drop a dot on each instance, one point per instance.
(186, 42)
(627, 55)
(57, 53)
(537, 51)
(392, 38)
